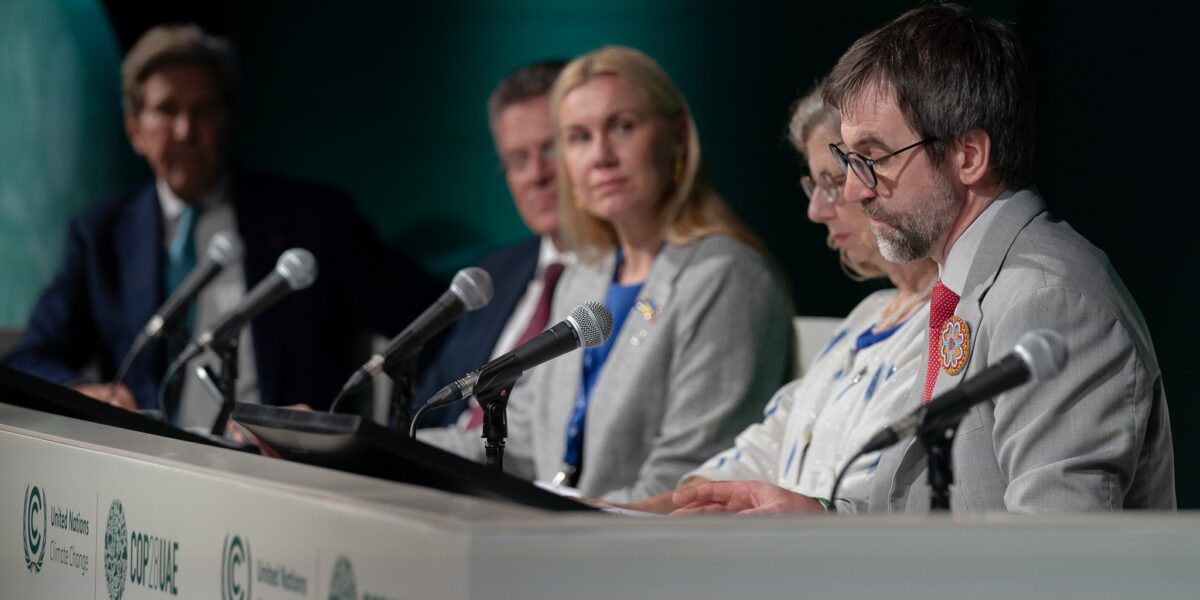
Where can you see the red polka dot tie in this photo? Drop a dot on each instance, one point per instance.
(941, 308)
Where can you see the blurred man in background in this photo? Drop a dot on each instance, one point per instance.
(525, 273)
(125, 256)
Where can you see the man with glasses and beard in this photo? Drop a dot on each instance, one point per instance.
(937, 123)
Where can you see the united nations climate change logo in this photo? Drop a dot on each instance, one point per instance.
(33, 525)
(341, 584)
(116, 550)
(235, 569)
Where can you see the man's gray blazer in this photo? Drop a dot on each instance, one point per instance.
(692, 366)
(1097, 436)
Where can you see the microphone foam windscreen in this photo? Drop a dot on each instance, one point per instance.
(298, 267)
(1044, 352)
(473, 286)
(224, 248)
(593, 322)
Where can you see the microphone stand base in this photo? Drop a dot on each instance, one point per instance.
(404, 392)
(495, 454)
(226, 382)
(494, 402)
(940, 468)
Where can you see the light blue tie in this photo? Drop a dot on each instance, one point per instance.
(181, 258)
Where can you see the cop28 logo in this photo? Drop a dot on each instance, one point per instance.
(33, 525)
(116, 550)
(235, 569)
(342, 585)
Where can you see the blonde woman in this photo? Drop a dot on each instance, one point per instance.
(701, 334)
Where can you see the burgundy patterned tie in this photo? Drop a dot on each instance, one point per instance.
(541, 314)
(941, 308)
(537, 324)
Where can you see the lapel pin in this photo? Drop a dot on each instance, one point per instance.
(954, 345)
(647, 308)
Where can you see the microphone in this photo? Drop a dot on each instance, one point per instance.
(471, 289)
(1039, 355)
(295, 270)
(589, 325)
(223, 250)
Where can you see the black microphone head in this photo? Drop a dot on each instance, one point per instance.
(1044, 352)
(224, 248)
(473, 286)
(298, 267)
(592, 322)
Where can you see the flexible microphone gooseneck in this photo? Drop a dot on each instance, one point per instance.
(470, 290)
(295, 270)
(223, 250)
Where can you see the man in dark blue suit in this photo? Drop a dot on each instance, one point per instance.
(124, 257)
(523, 273)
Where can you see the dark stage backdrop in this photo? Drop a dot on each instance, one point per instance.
(387, 101)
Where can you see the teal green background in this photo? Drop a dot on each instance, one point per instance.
(61, 139)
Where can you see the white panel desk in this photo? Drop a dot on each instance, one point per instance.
(88, 511)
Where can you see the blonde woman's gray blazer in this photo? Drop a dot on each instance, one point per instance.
(707, 344)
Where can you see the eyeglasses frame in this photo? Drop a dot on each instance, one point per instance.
(869, 178)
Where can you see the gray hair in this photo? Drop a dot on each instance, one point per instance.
(808, 114)
(170, 45)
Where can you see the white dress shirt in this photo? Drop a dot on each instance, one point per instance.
(953, 274)
(198, 408)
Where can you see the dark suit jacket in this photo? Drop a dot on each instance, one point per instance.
(111, 283)
(469, 344)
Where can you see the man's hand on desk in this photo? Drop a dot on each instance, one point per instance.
(121, 397)
(662, 504)
(743, 498)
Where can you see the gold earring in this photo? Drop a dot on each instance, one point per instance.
(679, 166)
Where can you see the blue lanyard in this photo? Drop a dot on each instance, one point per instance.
(619, 301)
